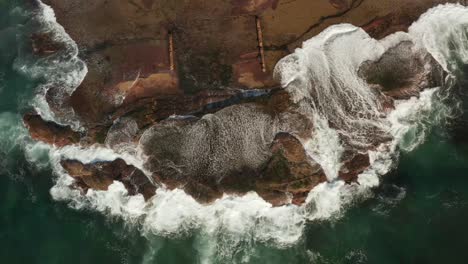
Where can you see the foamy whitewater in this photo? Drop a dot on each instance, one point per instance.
(332, 56)
(63, 69)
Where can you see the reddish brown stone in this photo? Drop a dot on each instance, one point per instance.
(248, 72)
(99, 175)
(148, 3)
(50, 132)
(381, 27)
(152, 86)
(290, 172)
(120, 40)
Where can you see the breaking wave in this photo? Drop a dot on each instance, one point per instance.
(61, 72)
(323, 79)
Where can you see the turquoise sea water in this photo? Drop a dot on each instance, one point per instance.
(418, 215)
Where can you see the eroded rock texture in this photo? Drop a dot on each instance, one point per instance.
(215, 123)
(100, 175)
(401, 73)
(50, 132)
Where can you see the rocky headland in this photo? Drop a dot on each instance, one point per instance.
(191, 83)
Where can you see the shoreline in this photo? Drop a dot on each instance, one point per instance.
(132, 201)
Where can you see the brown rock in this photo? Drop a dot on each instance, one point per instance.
(147, 111)
(89, 174)
(237, 148)
(401, 72)
(152, 86)
(123, 39)
(50, 132)
(289, 172)
(353, 165)
(100, 175)
(248, 73)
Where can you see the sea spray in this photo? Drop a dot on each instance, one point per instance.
(322, 78)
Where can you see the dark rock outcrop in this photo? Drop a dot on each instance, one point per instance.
(50, 132)
(289, 174)
(100, 175)
(402, 72)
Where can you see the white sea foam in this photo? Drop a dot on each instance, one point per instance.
(97, 153)
(325, 147)
(408, 127)
(327, 86)
(63, 70)
(442, 31)
(330, 60)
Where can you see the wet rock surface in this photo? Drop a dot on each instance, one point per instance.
(50, 132)
(215, 43)
(223, 152)
(289, 175)
(99, 175)
(402, 72)
(183, 80)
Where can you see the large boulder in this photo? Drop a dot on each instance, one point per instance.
(402, 71)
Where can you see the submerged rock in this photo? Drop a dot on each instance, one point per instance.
(43, 44)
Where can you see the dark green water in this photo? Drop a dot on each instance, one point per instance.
(418, 215)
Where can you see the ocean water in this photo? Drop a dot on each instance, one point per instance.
(417, 214)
